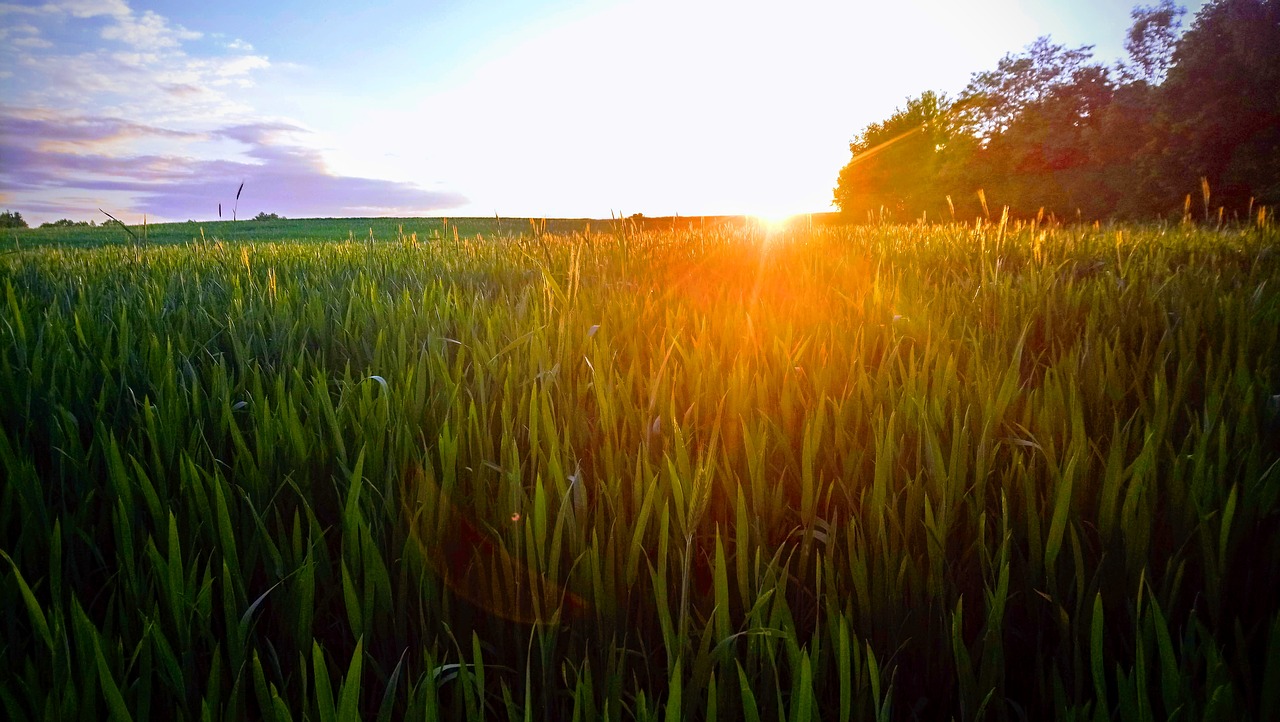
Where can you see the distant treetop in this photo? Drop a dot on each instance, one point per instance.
(1050, 130)
(12, 220)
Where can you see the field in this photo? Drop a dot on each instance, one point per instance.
(706, 472)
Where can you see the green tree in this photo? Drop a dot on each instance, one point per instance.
(1122, 152)
(1151, 40)
(896, 164)
(1220, 107)
(994, 99)
(1125, 150)
(1050, 128)
(12, 219)
(1035, 117)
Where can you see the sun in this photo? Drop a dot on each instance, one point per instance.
(773, 221)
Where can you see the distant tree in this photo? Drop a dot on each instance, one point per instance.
(67, 223)
(1151, 40)
(896, 164)
(1219, 106)
(268, 217)
(1020, 132)
(1042, 72)
(1122, 152)
(1125, 152)
(1050, 128)
(12, 220)
(1036, 115)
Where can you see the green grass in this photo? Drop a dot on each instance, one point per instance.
(838, 473)
(334, 230)
(307, 230)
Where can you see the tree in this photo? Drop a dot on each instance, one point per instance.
(896, 163)
(1049, 128)
(1034, 116)
(995, 98)
(264, 216)
(1121, 153)
(1151, 40)
(12, 220)
(1220, 106)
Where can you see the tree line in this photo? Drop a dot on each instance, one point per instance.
(1189, 123)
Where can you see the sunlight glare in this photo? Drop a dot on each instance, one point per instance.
(772, 221)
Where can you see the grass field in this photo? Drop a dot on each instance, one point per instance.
(335, 230)
(895, 472)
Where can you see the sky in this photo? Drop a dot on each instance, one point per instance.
(542, 108)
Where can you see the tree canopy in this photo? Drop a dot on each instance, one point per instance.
(1051, 129)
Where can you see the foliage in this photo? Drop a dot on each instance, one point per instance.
(1049, 129)
(1043, 76)
(68, 223)
(1221, 108)
(1151, 40)
(12, 219)
(264, 216)
(851, 473)
(896, 163)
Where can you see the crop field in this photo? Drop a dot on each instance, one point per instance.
(515, 472)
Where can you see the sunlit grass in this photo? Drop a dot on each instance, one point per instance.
(865, 473)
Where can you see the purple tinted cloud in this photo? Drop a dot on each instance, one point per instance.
(49, 155)
(102, 104)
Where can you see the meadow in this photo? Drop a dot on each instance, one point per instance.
(453, 471)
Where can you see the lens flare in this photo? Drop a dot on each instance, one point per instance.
(772, 221)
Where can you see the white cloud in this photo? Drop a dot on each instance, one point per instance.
(236, 71)
(144, 121)
(144, 70)
(31, 43)
(10, 8)
(148, 30)
(143, 73)
(89, 8)
(24, 35)
(74, 8)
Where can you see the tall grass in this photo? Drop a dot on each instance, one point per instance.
(862, 473)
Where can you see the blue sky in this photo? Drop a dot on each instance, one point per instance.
(473, 108)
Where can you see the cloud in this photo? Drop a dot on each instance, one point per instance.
(47, 156)
(80, 9)
(52, 62)
(23, 35)
(91, 8)
(146, 120)
(32, 42)
(148, 30)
